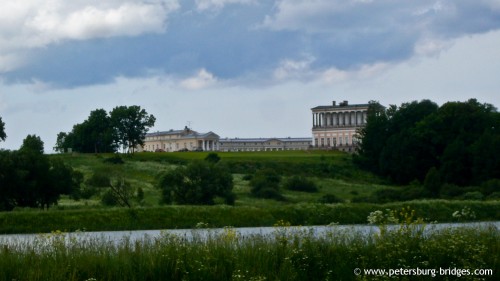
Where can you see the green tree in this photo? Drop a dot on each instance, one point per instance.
(94, 135)
(404, 143)
(373, 137)
(197, 183)
(32, 143)
(61, 145)
(3, 136)
(130, 124)
(432, 182)
(29, 179)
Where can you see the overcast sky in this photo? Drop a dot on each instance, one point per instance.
(239, 68)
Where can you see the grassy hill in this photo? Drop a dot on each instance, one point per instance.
(333, 172)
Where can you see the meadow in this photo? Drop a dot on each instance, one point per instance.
(333, 173)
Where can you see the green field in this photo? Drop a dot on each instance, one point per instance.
(333, 172)
(142, 170)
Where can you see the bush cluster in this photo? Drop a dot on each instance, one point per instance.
(300, 183)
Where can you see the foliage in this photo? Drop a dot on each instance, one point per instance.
(181, 216)
(32, 143)
(459, 139)
(266, 184)
(330, 199)
(300, 183)
(212, 157)
(3, 136)
(122, 192)
(29, 179)
(94, 135)
(115, 159)
(103, 132)
(197, 183)
(432, 182)
(130, 125)
(99, 179)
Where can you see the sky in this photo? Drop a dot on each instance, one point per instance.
(239, 68)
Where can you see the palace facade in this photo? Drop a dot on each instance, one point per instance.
(335, 125)
(180, 140)
(189, 140)
(264, 144)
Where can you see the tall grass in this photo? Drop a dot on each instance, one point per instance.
(284, 255)
(172, 217)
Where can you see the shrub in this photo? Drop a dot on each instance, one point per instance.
(212, 157)
(330, 199)
(116, 159)
(432, 182)
(473, 195)
(109, 199)
(99, 179)
(247, 177)
(269, 193)
(494, 196)
(449, 190)
(488, 187)
(386, 195)
(197, 183)
(87, 192)
(265, 184)
(300, 183)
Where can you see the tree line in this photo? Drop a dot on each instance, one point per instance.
(457, 143)
(28, 178)
(124, 127)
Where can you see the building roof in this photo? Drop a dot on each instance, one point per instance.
(185, 134)
(330, 107)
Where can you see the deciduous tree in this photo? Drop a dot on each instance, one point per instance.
(130, 124)
(3, 136)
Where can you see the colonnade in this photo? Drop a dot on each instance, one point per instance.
(339, 119)
(209, 145)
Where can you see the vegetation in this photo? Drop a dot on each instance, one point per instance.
(125, 126)
(99, 218)
(286, 254)
(457, 143)
(300, 183)
(3, 136)
(265, 183)
(197, 183)
(28, 178)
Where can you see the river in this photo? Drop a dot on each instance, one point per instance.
(138, 235)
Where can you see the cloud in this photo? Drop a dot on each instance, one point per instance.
(203, 5)
(292, 69)
(203, 79)
(28, 24)
(385, 26)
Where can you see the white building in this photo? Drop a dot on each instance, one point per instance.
(180, 140)
(334, 126)
(264, 144)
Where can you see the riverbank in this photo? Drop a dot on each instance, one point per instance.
(181, 217)
(283, 254)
